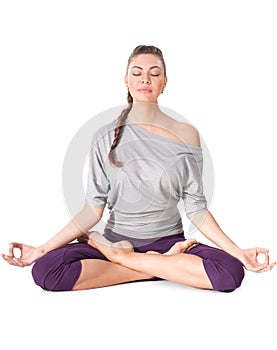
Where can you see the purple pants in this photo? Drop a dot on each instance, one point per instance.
(60, 269)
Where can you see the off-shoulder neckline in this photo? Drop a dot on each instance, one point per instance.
(147, 132)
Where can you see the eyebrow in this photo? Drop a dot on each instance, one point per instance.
(152, 67)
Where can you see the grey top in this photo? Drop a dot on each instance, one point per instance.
(142, 196)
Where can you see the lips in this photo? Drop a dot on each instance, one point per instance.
(145, 90)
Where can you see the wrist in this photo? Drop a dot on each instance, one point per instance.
(40, 251)
(237, 252)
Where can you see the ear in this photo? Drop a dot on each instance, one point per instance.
(165, 82)
(126, 80)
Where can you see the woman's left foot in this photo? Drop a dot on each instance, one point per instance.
(182, 246)
(178, 247)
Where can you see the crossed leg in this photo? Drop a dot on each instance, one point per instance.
(97, 273)
(125, 265)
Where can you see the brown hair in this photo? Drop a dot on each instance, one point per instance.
(139, 50)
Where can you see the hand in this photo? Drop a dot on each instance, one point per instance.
(28, 255)
(249, 258)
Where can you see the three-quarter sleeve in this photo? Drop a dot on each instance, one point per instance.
(193, 196)
(98, 184)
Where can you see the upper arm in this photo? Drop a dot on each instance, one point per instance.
(98, 184)
(190, 135)
(195, 138)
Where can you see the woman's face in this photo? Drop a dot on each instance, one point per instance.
(145, 78)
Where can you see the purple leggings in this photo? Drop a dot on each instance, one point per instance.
(60, 269)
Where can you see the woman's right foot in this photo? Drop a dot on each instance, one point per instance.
(106, 247)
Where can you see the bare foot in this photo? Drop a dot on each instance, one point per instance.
(182, 246)
(178, 247)
(111, 250)
(108, 248)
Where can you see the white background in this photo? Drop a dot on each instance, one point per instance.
(61, 63)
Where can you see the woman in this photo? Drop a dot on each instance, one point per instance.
(141, 164)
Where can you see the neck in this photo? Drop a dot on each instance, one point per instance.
(144, 112)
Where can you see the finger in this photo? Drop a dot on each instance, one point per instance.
(12, 260)
(14, 245)
(256, 268)
(11, 249)
(261, 250)
(267, 263)
(264, 270)
(266, 260)
(18, 262)
(264, 267)
(8, 259)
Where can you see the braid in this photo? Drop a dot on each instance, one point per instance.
(118, 130)
(141, 49)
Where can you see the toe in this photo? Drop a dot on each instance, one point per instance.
(188, 244)
(191, 244)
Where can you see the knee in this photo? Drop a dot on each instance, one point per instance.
(226, 277)
(42, 274)
(51, 276)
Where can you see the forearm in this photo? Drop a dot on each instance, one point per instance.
(80, 224)
(207, 225)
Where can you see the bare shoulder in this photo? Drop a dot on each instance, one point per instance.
(180, 131)
(188, 133)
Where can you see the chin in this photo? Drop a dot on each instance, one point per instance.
(145, 99)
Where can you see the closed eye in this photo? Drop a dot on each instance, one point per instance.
(138, 74)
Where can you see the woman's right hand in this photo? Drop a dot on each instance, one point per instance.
(28, 254)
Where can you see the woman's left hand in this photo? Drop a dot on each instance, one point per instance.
(249, 258)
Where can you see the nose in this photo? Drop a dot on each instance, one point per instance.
(145, 80)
